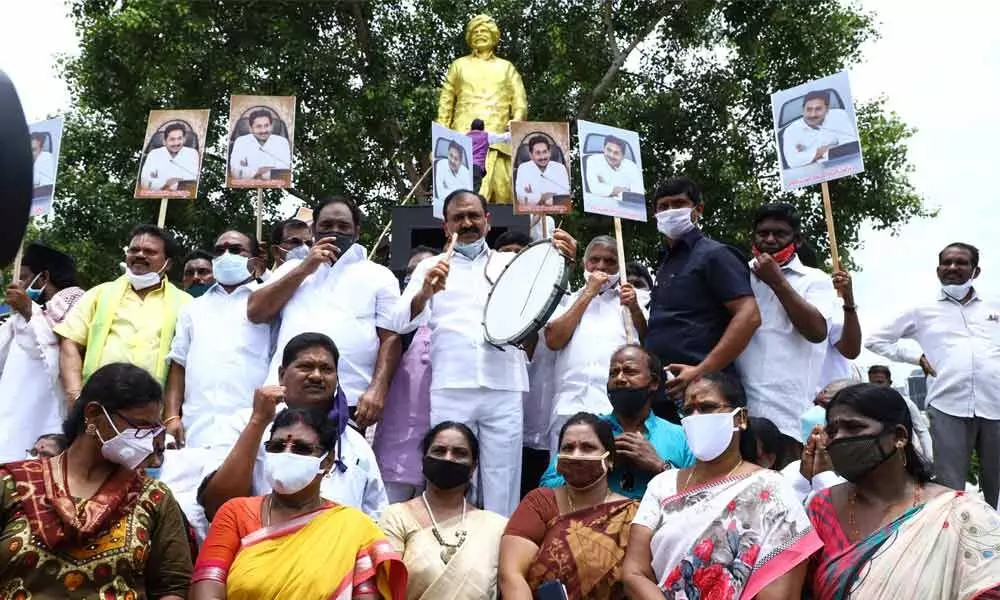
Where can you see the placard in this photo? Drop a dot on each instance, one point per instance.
(611, 164)
(541, 167)
(46, 141)
(171, 154)
(451, 152)
(261, 138)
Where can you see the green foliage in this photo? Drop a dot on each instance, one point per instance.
(366, 76)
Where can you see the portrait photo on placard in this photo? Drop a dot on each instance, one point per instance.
(261, 138)
(540, 172)
(611, 164)
(172, 149)
(452, 155)
(46, 139)
(816, 131)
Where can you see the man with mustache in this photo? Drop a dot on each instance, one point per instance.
(821, 128)
(451, 174)
(612, 172)
(130, 319)
(959, 337)
(472, 381)
(539, 180)
(337, 291)
(255, 154)
(173, 162)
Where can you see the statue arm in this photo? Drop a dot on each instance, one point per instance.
(519, 102)
(449, 91)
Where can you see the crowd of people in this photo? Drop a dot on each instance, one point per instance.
(294, 421)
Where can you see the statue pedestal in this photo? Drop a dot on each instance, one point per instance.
(415, 225)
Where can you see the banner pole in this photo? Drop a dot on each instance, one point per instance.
(385, 230)
(626, 315)
(161, 219)
(260, 212)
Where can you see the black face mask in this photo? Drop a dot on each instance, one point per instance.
(446, 474)
(855, 457)
(343, 241)
(628, 402)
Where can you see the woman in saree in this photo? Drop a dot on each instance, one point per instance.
(725, 528)
(292, 543)
(85, 524)
(575, 534)
(889, 532)
(449, 547)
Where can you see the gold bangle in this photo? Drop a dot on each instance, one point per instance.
(168, 420)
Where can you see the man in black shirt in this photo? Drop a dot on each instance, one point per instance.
(703, 311)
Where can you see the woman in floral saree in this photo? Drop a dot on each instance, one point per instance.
(889, 533)
(292, 543)
(725, 528)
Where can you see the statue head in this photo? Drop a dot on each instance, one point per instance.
(482, 33)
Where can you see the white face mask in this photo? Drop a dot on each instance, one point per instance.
(710, 434)
(299, 252)
(230, 269)
(472, 249)
(957, 291)
(289, 473)
(141, 282)
(610, 283)
(125, 448)
(674, 222)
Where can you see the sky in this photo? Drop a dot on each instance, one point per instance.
(937, 69)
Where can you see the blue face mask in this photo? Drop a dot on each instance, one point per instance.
(152, 472)
(472, 249)
(816, 415)
(32, 293)
(198, 289)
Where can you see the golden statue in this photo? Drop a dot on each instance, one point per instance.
(484, 86)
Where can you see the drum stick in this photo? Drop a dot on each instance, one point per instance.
(622, 278)
(449, 251)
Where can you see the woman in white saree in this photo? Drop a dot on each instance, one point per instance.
(450, 549)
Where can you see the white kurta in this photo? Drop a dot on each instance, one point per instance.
(225, 358)
(347, 302)
(44, 170)
(31, 399)
(801, 141)
(446, 181)
(275, 153)
(779, 368)
(602, 178)
(160, 166)
(533, 183)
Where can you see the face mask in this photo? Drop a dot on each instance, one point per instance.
(610, 283)
(472, 249)
(628, 402)
(446, 474)
(152, 472)
(674, 222)
(299, 252)
(141, 282)
(781, 256)
(816, 415)
(710, 434)
(289, 473)
(124, 448)
(230, 269)
(582, 472)
(855, 457)
(342, 241)
(33, 293)
(957, 291)
(198, 289)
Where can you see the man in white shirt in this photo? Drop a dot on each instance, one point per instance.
(217, 357)
(472, 382)
(44, 167)
(539, 180)
(586, 330)
(451, 174)
(821, 128)
(337, 291)
(780, 367)
(173, 162)
(308, 379)
(256, 153)
(959, 336)
(611, 173)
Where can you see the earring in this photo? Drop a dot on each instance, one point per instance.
(91, 428)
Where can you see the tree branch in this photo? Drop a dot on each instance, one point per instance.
(612, 71)
(609, 28)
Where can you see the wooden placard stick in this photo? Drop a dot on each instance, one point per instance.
(626, 315)
(448, 253)
(161, 219)
(830, 231)
(260, 212)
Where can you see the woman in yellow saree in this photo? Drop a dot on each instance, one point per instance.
(292, 543)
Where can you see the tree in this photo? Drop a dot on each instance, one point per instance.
(693, 77)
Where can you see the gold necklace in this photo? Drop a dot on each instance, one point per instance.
(852, 500)
(687, 481)
(572, 505)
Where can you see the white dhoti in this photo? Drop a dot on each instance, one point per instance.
(496, 417)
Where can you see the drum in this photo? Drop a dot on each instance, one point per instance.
(526, 294)
(15, 172)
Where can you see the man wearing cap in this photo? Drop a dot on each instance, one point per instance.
(30, 396)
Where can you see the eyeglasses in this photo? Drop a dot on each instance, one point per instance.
(231, 248)
(292, 242)
(297, 447)
(142, 430)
